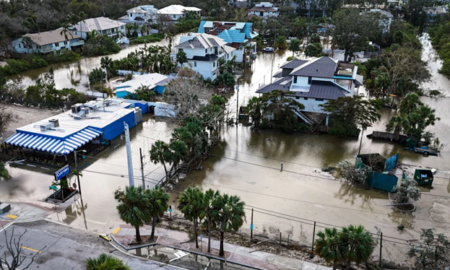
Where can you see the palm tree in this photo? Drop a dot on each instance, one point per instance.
(228, 215)
(397, 124)
(106, 262)
(191, 205)
(81, 15)
(133, 207)
(169, 37)
(358, 244)
(209, 202)
(135, 28)
(106, 63)
(128, 27)
(328, 246)
(65, 31)
(178, 153)
(144, 29)
(160, 153)
(383, 81)
(156, 204)
(254, 109)
(184, 135)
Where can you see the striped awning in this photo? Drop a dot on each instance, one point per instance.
(61, 146)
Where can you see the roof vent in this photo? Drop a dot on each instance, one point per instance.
(317, 70)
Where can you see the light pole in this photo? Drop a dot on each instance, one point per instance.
(76, 168)
(360, 143)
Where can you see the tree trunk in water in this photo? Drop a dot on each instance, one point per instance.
(349, 263)
(209, 234)
(153, 228)
(195, 232)
(138, 234)
(221, 252)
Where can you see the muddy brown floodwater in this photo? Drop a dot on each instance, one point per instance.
(247, 163)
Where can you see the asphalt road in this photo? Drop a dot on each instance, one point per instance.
(62, 247)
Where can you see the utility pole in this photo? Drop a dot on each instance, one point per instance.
(251, 227)
(360, 143)
(129, 158)
(237, 103)
(76, 168)
(142, 167)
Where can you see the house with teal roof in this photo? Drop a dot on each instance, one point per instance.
(238, 35)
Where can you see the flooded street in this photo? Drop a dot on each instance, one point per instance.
(247, 163)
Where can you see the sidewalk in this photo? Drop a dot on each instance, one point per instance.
(233, 253)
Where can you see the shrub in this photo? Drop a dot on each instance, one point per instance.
(64, 56)
(148, 39)
(100, 45)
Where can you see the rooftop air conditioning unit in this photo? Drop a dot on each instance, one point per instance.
(46, 126)
(55, 122)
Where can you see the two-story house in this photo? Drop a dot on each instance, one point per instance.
(203, 52)
(314, 82)
(238, 35)
(102, 25)
(385, 19)
(47, 42)
(147, 13)
(174, 12)
(264, 10)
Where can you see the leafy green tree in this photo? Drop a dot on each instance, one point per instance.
(134, 207)
(280, 43)
(228, 215)
(315, 38)
(432, 253)
(358, 244)
(314, 50)
(144, 29)
(191, 204)
(353, 30)
(396, 124)
(157, 204)
(329, 247)
(181, 57)
(347, 114)
(106, 262)
(225, 79)
(407, 191)
(160, 153)
(3, 171)
(294, 46)
(96, 76)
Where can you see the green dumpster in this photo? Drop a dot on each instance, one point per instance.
(423, 177)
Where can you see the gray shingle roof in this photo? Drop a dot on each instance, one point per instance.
(323, 67)
(202, 41)
(278, 74)
(293, 64)
(318, 89)
(208, 57)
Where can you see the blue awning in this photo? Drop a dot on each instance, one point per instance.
(61, 146)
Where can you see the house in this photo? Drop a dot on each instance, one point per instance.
(141, 14)
(154, 81)
(103, 26)
(313, 82)
(238, 35)
(264, 10)
(433, 12)
(174, 12)
(386, 19)
(47, 42)
(203, 52)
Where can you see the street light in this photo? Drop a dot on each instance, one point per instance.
(76, 168)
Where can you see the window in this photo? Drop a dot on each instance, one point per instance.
(206, 50)
(173, 16)
(65, 42)
(295, 79)
(309, 80)
(214, 64)
(20, 45)
(319, 99)
(57, 44)
(305, 98)
(297, 97)
(131, 14)
(123, 27)
(195, 64)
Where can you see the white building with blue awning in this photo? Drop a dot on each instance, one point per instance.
(86, 126)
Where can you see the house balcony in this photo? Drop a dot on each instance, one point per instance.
(77, 43)
(46, 49)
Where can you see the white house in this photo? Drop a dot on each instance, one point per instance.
(147, 13)
(203, 52)
(386, 19)
(174, 12)
(314, 82)
(103, 26)
(154, 81)
(47, 42)
(264, 10)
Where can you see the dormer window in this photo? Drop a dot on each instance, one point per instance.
(295, 79)
(309, 80)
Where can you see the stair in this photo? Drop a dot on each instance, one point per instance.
(304, 117)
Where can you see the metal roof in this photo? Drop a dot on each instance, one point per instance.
(176, 10)
(202, 41)
(283, 84)
(151, 80)
(60, 146)
(293, 63)
(208, 57)
(323, 67)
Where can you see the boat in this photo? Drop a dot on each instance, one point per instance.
(268, 49)
(123, 40)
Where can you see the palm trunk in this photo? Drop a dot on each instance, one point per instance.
(153, 228)
(138, 234)
(195, 232)
(209, 233)
(334, 265)
(349, 263)
(221, 252)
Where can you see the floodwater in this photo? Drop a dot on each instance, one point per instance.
(247, 163)
(76, 74)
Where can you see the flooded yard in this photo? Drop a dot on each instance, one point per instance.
(248, 164)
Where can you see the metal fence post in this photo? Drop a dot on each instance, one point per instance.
(313, 238)
(381, 247)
